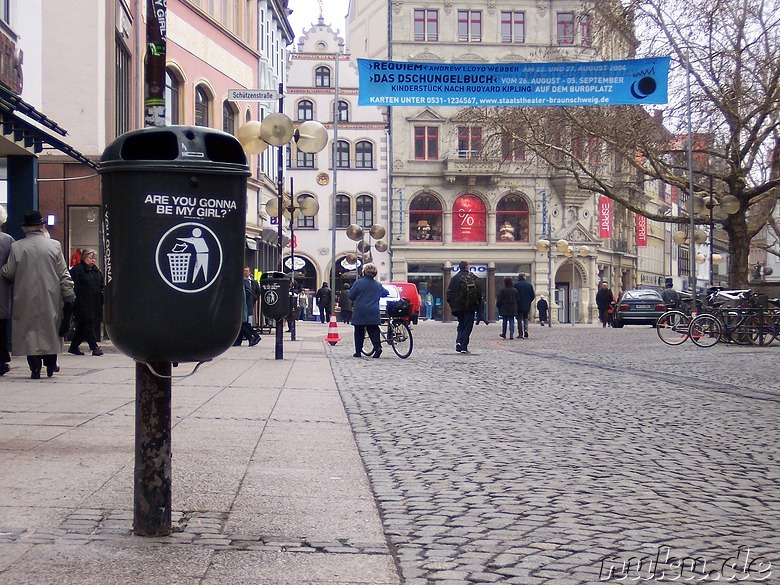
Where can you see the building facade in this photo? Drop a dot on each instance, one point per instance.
(449, 201)
(348, 178)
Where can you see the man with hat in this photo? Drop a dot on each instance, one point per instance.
(42, 284)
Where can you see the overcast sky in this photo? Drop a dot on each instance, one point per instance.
(306, 12)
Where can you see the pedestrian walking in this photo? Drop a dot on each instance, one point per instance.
(506, 302)
(670, 296)
(88, 308)
(604, 300)
(5, 296)
(429, 300)
(251, 290)
(365, 295)
(464, 297)
(542, 307)
(526, 294)
(345, 304)
(303, 304)
(42, 284)
(324, 298)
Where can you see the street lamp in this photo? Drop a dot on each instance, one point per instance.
(357, 234)
(569, 251)
(277, 129)
(307, 207)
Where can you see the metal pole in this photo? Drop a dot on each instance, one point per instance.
(279, 345)
(692, 259)
(152, 471)
(291, 209)
(549, 271)
(335, 184)
(712, 234)
(572, 291)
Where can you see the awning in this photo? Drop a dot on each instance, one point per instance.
(30, 130)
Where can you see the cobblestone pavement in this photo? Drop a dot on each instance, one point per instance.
(580, 455)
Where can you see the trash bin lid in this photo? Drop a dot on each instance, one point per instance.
(172, 147)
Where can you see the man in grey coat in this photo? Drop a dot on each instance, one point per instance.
(5, 296)
(42, 284)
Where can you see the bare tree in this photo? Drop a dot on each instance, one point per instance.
(731, 50)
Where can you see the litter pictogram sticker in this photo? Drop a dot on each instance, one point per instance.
(189, 257)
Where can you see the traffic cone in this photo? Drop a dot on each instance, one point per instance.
(333, 331)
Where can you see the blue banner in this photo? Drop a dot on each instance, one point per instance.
(586, 83)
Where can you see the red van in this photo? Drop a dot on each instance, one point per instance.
(406, 290)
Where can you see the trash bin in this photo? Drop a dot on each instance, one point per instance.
(174, 220)
(275, 294)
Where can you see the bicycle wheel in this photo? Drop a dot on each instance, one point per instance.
(400, 339)
(760, 331)
(672, 327)
(705, 330)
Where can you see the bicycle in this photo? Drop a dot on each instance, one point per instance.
(395, 330)
(672, 327)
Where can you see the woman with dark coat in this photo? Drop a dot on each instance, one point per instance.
(365, 295)
(345, 304)
(506, 302)
(88, 309)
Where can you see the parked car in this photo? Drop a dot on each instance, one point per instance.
(638, 307)
(397, 290)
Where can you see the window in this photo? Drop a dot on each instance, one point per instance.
(364, 211)
(594, 151)
(364, 155)
(512, 149)
(343, 111)
(342, 211)
(426, 143)
(304, 160)
(469, 26)
(322, 77)
(425, 218)
(426, 25)
(303, 220)
(512, 219)
(305, 110)
(5, 16)
(585, 36)
(342, 154)
(172, 98)
(565, 28)
(228, 118)
(513, 27)
(201, 107)
(469, 141)
(469, 219)
(124, 96)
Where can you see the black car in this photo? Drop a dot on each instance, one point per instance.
(638, 307)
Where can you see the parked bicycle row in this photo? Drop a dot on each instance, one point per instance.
(726, 316)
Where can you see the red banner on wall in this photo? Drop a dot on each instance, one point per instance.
(605, 217)
(641, 231)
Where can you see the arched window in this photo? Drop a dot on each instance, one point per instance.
(305, 110)
(364, 211)
(469, 219)
(425, 218)
(343, 111)
(512, 219)
(322, 77)
(172, 98)
(304, 221)
(228, 117)
(202, 104)
(342, 154)
(342, 211)
(364, 155)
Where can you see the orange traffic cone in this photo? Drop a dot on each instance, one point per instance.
(333, 331)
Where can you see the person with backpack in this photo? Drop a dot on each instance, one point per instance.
(464, 297)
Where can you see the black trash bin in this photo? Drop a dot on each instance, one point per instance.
(174, 220)
(275, 294)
